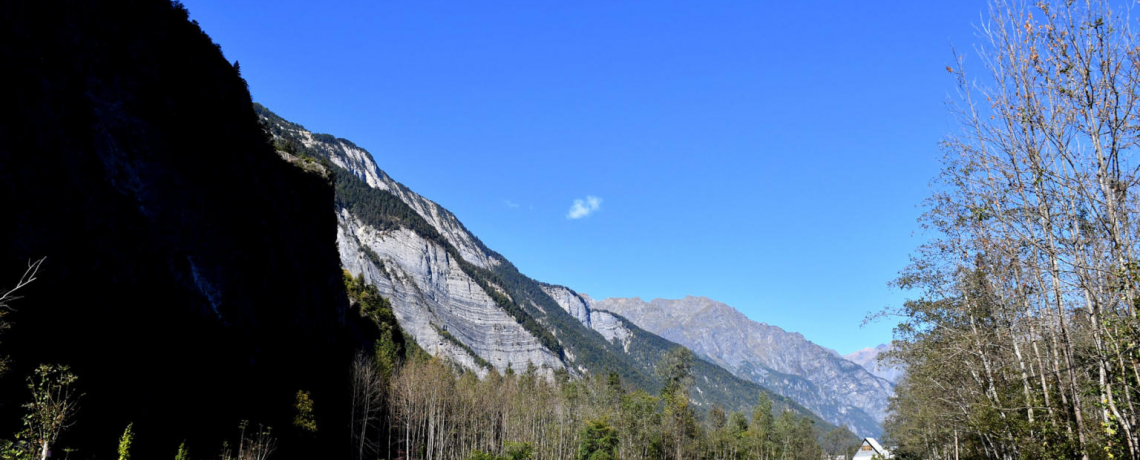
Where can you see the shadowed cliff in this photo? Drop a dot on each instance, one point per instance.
(192, 277)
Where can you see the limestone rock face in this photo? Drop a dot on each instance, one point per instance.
(578, 305)
(347, 155)
(570, 301)
(839, 390)
(610, 327)
(439, 305)
(431, 295)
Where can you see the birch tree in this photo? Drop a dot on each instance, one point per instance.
(1023, 342)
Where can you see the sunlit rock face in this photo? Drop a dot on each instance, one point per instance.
(345, 154)
(439, 305)
(578, 305)
(839, 390)
(431, 295)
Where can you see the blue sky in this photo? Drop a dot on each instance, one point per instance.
(770, 155)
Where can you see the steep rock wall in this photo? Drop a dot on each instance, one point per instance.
(605, 323)
(431, 294)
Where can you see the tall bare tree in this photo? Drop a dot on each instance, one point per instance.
(7, 297)
(1024, 340)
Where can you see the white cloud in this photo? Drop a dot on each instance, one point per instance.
(582, 208)
(510, 204)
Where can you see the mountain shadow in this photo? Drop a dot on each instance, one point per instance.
(192, 278)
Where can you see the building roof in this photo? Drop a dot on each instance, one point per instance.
(876, 448)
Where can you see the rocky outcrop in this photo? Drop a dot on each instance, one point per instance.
(432, 298)
(570, 301)
(840, 391)
(605, 323)
(869, 359)
(437, 303)
(345, 154)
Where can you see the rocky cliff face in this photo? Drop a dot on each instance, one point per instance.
(437, 302)
(440, 306)
(344, 154)
(869, 359)
(460, 300)
(840, 391)
(605, 323)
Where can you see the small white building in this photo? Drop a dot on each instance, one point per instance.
(871, 449)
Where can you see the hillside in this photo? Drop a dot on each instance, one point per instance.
(460, 300)
(840, 391)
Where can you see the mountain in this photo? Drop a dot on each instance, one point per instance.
(869, 359)
(191, 276)
(840, 391)
(460, 300)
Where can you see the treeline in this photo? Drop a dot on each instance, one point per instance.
(406, 404)
(429, 410)
(1024, 342)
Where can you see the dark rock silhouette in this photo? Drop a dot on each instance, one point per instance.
(192, 277)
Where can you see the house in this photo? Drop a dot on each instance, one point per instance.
(871, 449)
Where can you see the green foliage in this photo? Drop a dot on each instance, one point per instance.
(125, 441)
(676, 372)
(366, 297)
(304, 418)
(183, 453)
(518, 451)
(599, 441)
(511, 451)
(737, 424)
(480, 455)
(414, 352)
(717, 418)
(581, 419)
(839, 441)
(50, 412)
(18, 449)
(53, 406)
(391, 346)
(372, 256)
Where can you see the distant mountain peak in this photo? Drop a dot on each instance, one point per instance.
(869, 359)
(841, 391)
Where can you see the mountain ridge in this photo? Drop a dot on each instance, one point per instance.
(869, 358)
(446, 287)
(841, 391)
